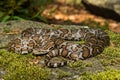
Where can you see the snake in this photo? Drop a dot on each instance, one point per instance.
(60, 42)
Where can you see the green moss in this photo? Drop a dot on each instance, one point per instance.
(110, 62)
(109, 57)
(23, 72)
(110, 74)
(81, 42)
(80, 64)
(111, 54)
(17, 67)
(7, 58)
(62, 74)
(88, 64)
(93, 24)
(77, 64)
(115, 38)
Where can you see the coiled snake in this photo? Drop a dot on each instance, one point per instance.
(58, 42)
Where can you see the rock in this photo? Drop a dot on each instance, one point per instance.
(12, 29)
(105, 8)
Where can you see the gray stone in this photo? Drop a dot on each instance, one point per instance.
(106, 8)
(12, 29)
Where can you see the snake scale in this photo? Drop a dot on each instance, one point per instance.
(58, 42)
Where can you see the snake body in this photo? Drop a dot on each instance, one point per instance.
(54, 42)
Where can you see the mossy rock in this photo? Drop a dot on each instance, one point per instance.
(18, 67)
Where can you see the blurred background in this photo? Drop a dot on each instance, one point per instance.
(102, 13)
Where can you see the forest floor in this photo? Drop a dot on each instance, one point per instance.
(60, 13)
